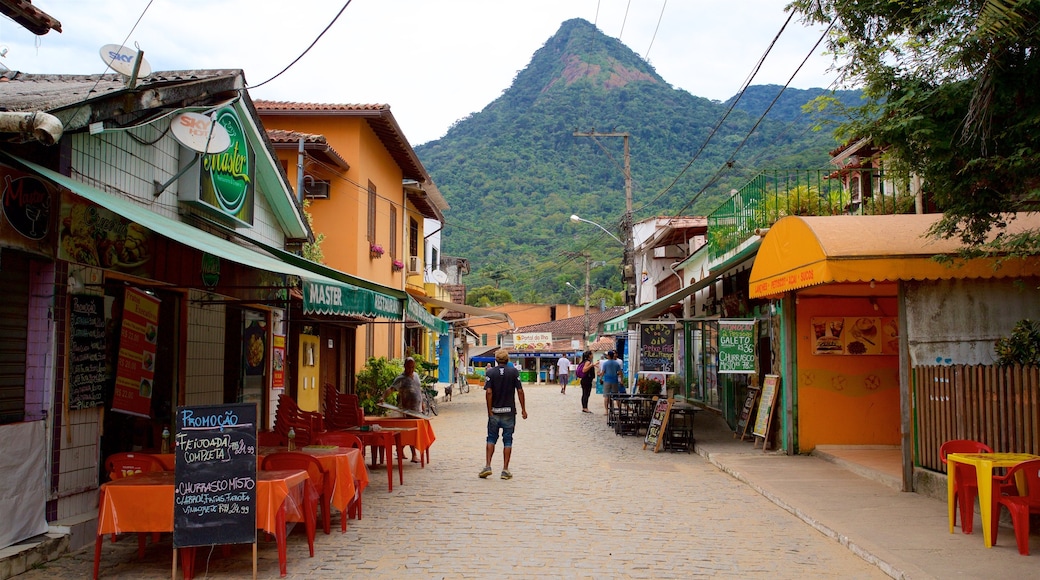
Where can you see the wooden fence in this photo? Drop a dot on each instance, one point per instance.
(999, 406)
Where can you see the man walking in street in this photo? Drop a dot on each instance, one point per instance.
(611, 369)
(502, 389)
(563, 371)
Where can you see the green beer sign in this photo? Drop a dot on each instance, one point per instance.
(227, 177)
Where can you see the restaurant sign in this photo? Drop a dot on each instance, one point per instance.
(135, 369)
(225, 182)
(805, 276)
(532, 340)
(737, 346)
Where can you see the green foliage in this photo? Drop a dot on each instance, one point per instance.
(610, 297)
(950, 87)
(373, 379)
(488, 296)
(1022, 347)
(514, 172)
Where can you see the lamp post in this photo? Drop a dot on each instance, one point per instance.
(575, 218)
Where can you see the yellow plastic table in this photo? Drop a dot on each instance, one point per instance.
(984, 464)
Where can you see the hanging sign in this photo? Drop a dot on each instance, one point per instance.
(737, 346)
(278, 363)
(135, 369)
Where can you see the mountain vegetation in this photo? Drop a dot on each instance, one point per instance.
(517, 170)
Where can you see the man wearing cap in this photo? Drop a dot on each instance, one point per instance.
(502, 389)
(611, 369)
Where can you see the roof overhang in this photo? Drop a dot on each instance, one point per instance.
(30, 17)
(473, 311)
(799, 252)
(655, 308)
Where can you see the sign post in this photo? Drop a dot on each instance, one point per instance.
(658, 423)
(764, 417)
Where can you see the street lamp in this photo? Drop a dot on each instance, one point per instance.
(575, 218)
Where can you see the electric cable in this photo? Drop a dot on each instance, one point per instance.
(297, 59)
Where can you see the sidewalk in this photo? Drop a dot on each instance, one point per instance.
(904, 534)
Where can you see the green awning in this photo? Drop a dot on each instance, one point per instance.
(647, 311)
(424, 317)
(322, 294)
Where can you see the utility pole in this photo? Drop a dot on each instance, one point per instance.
(588, 267)
(627, 268)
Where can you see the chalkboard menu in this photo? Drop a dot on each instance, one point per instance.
(87, 350)
(658, 424)
(657, 347)
(215, 496)
(745, 412)
(765, 407)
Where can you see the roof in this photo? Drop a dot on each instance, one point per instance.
(799, 252)
(313, 143)
(56, 93)
(575, 325)
(379, 119)
(30, 17)
(677, 230)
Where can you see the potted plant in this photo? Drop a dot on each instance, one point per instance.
(474, 379)
(372, 380)
(397, 265)
(375, 250)
(648, 386)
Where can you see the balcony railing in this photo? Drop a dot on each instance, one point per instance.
(774, 194)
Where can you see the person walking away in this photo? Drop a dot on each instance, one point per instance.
(611, 369)
(563, 372)
(502, 390)
(409, 393)
(587, 372)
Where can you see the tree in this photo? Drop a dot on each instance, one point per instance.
(949, 85)
(608, 296)
(488, 296)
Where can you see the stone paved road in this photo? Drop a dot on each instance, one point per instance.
(583, 503)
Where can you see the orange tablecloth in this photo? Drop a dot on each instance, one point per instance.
(344, 463)
(385, 439)
(984, 464)
(422, 438)
(144, 503)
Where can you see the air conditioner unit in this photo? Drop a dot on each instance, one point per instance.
(414, 265)
(315, 189)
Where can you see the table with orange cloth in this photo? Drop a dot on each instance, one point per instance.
(984, 464)
(346, 465)
(145, 503)
(421, 439)
(386, 439)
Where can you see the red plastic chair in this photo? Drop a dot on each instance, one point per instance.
(1020, 507)
(965, 484)
(320, 478)
(341, 439)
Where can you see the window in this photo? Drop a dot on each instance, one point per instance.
(434, 259)
(393, 234)
(371, 212)
(370, 341)
(413, 237)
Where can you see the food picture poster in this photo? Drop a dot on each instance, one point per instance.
(136, 366)
(855, 335)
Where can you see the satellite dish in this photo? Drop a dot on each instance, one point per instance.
(199, 132)
(121, 59)
(439, 276)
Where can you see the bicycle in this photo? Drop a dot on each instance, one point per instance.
(460, 380)
(429, 401)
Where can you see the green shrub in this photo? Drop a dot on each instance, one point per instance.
(1022, 347)
(373, 379)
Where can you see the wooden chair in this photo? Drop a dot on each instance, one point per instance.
(120, 465)
(320, 478)
(1020, 507)
(342, 439)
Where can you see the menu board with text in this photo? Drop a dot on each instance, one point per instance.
(657, 347)
(87, 373)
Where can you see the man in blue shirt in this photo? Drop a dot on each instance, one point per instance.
(611, 370)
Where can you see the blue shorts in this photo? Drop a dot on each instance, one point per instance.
(505, 422)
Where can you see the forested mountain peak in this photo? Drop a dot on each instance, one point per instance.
(515, 171)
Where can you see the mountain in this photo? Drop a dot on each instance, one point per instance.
(514, 172)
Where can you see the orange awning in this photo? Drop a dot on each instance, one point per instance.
(799, 252)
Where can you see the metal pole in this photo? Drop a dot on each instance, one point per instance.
(588, 267)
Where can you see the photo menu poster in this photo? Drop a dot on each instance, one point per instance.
(135, 369)
(855, 335)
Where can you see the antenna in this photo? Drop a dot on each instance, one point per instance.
(200, 133)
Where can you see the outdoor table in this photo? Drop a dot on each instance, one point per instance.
(145, 502)
(344, 465)
(386, 438)
(984, 464)
(421, 439)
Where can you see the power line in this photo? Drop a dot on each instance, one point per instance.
(656, 28)
(297, 59)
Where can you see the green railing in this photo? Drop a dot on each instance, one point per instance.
(774, 194)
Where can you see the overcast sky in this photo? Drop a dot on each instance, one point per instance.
(433, 61)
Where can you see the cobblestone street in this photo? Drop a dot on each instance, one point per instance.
(583, 503)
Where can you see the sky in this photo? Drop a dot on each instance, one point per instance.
(434, 62)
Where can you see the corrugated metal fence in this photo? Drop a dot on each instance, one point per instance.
(999, 406)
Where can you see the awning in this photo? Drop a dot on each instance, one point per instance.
(799, 252)
(648, 311)
(473, 311)
(322, 294)
(424, 317)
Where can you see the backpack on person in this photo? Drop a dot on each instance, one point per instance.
(578, 372)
